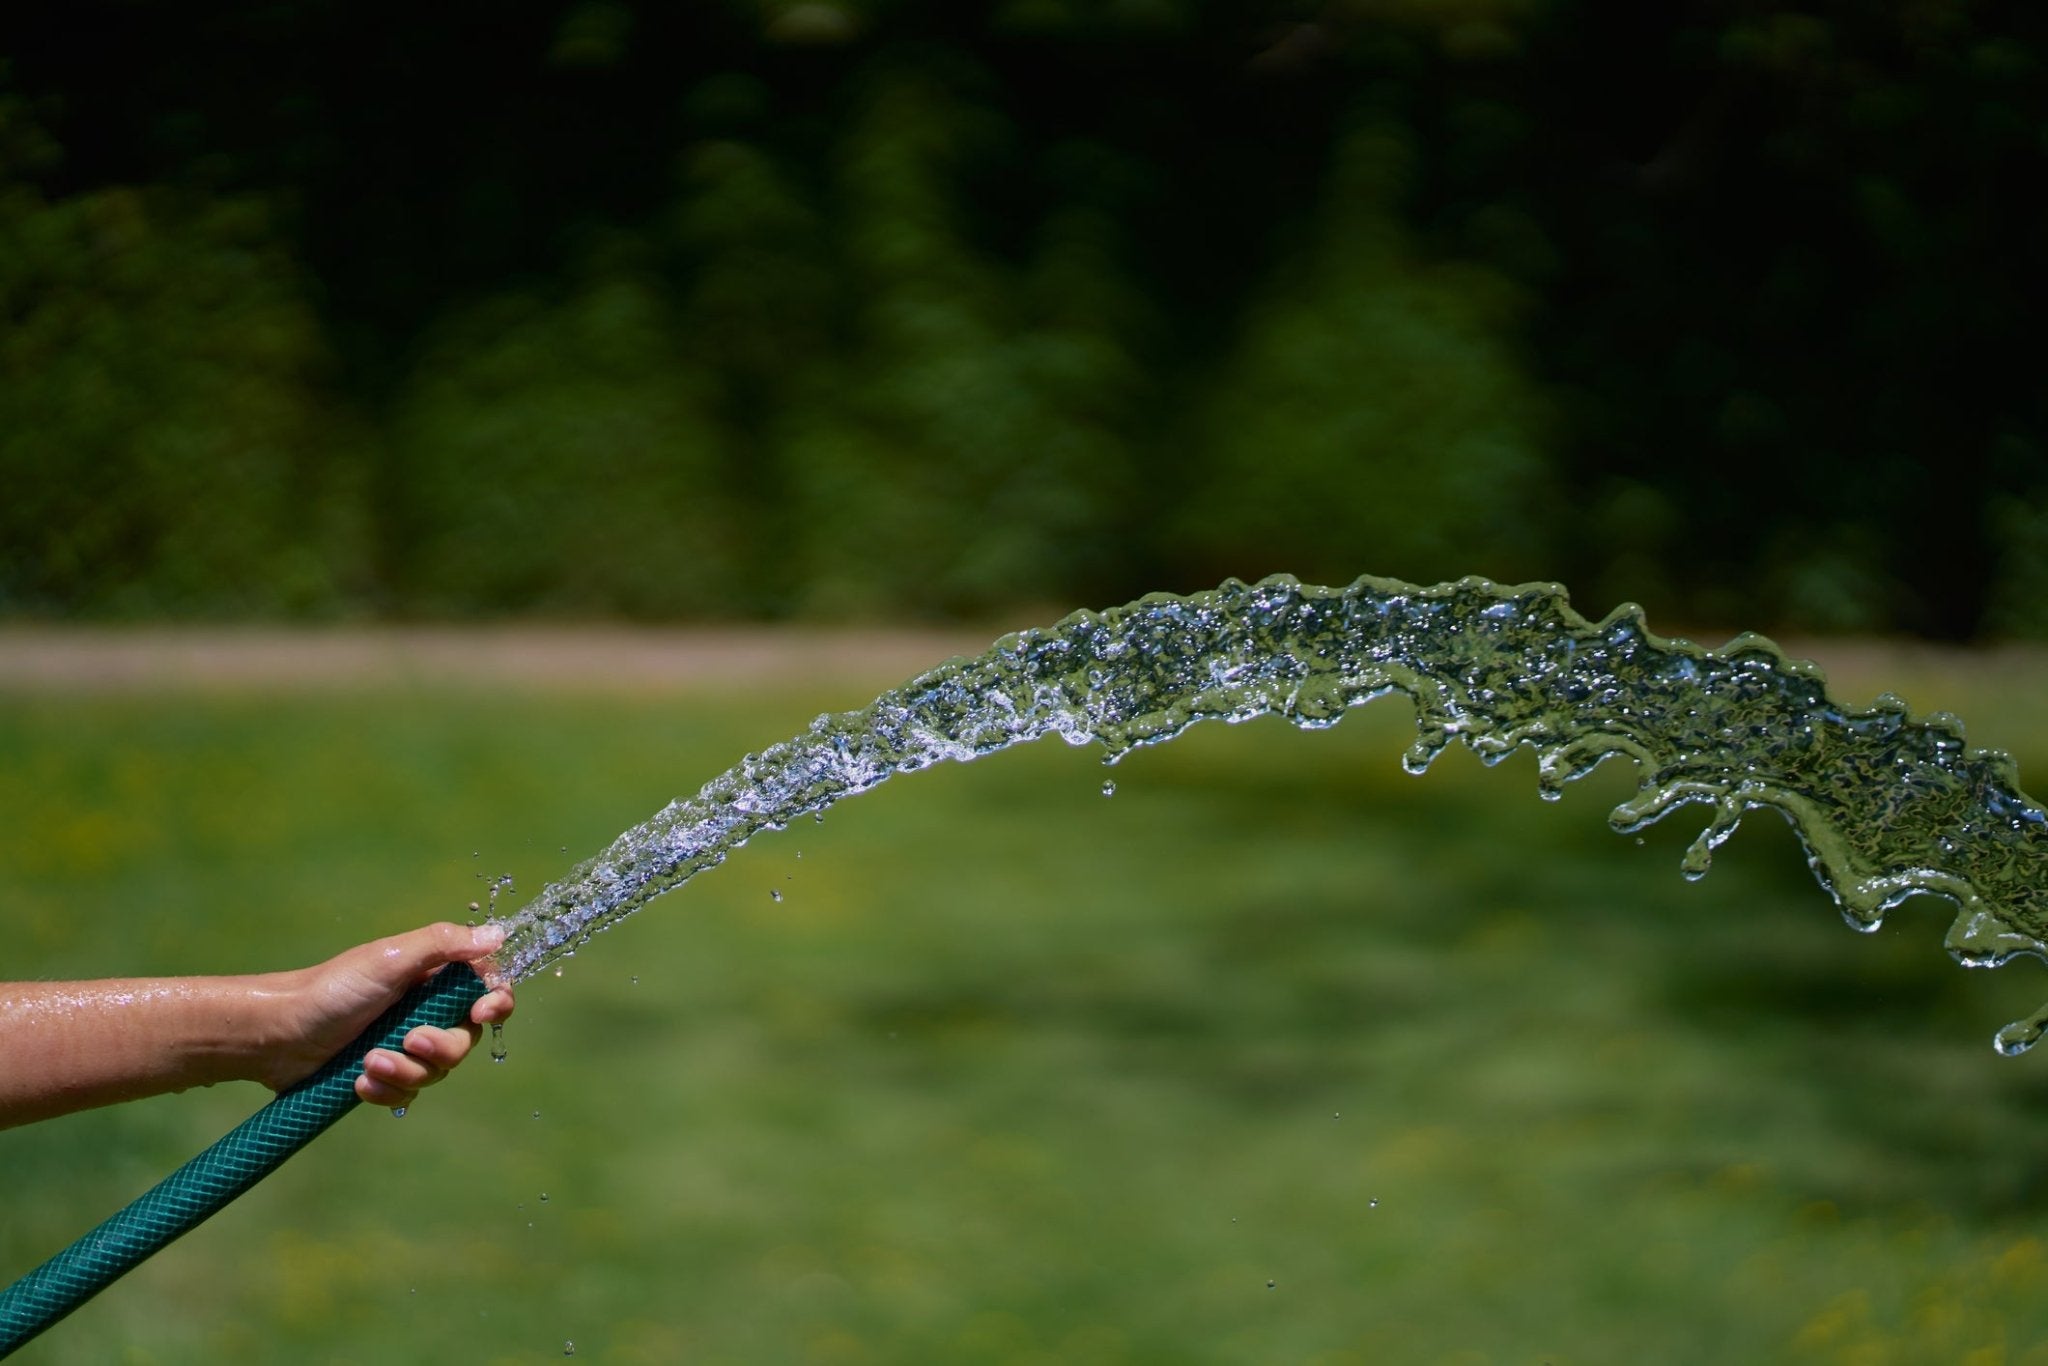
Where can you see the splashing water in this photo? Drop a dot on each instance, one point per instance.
(1886, 805)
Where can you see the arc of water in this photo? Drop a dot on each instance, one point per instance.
(1887, 806)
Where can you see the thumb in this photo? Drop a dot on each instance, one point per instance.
(403, 959)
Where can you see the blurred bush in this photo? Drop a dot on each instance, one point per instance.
(962, 449)
(168, 440)
(1372, 408)
(558, 456)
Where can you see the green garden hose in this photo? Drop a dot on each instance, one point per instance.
(251, 1151)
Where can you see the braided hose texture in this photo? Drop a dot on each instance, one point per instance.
(251, 1151)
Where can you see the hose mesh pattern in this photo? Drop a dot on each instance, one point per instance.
(251, 1151)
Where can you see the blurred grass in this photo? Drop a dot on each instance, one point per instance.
(1278, 1055)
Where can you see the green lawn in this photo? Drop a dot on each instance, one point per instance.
(1277, 1055)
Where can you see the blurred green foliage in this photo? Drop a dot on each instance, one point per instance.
(557, 455)
(835, 309)
(163, 440)
(1014, 1073)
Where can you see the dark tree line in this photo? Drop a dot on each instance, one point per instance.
(915, 309)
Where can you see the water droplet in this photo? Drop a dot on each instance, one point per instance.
(1337, 1115)
(558, 972)
(569, 1349)
(474, 908)
(1271, 1284)
(476, 853)
(2017, 1037)
(497, 1041)
(636, 979)
(1109, 787)
(536, 1114)
(398, 1112)
(1373, 1203)
(775, 893)
(543, 1197)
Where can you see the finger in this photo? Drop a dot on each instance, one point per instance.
(402, 1070)
(374, 1091)
(441, 1048)
(493, 1008)
(417, 953)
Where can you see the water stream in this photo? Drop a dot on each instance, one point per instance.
(1887, 805)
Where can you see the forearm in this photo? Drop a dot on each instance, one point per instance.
(68, 1046)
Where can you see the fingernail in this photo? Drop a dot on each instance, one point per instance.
(487, 937)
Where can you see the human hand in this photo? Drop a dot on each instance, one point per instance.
(327, 1006)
